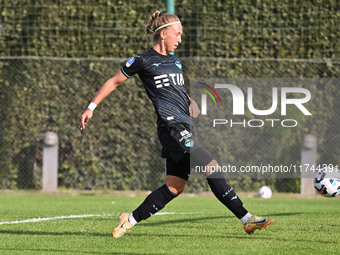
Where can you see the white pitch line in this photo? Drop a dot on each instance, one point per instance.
(53, 218)
(72, 217)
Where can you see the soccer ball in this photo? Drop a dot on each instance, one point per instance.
(265, 192)
(327, 182)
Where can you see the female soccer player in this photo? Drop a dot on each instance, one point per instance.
(162, 77)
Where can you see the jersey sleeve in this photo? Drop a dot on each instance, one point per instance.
(133, 66)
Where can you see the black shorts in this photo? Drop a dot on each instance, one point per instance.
(181, 150)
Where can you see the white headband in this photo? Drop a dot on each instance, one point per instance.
(168, 24)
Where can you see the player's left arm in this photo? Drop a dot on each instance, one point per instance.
(193, 108)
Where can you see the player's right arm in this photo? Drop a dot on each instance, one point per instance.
(109, 86)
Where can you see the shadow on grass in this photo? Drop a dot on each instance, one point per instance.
(28, 232)
(158, 223)
(187, 220)
(284, 214)
(47, 251)
(242, 235)
(194, 219)
(145, 224)
(133, 235)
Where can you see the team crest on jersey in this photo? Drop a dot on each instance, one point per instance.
(130, 62)
(178, 64)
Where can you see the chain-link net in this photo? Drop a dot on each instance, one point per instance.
(56, 54)
(226, 29)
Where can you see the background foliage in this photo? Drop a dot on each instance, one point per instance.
(56, 54)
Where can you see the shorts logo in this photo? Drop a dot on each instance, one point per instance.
(130, 62)
(185, 135)
(184, 132)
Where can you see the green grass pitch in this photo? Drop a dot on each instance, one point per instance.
(197, 225)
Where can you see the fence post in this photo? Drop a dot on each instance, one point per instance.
(308, 165)
(50, 163)
(170, 6)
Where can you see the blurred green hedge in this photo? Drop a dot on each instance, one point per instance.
(119, 149)
(227, 29)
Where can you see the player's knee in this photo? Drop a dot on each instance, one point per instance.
(211, 168)
(175, 184)
(176, 190)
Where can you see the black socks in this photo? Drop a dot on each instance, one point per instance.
(219, 186)
(226, 194)
(153, 203)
